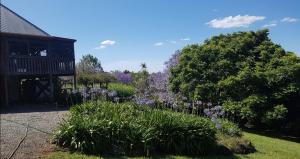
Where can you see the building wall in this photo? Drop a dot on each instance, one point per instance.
(2, 70)
(16, 64)
(2, 95)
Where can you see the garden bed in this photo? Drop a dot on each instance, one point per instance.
(129, 129)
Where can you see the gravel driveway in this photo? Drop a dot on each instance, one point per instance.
(39, 121)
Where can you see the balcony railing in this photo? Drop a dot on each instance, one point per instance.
(40, 66)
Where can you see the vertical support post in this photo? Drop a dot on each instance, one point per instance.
(74, 69)
(6, 90)
(74, 82)
(51, 88)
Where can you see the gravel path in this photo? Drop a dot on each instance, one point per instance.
(41, 121)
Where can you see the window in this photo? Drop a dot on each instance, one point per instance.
(38, 49)
(25, 48)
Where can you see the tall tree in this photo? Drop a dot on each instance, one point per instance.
(89, 64)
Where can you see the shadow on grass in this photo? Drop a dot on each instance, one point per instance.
(274, 134)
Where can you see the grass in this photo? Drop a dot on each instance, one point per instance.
(272, 148)
(267, 148)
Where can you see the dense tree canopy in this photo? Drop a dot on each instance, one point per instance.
(255, 80)
(89, 64)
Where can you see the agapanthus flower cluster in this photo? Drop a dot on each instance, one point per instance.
(144, 101)
(95, 94)
(112, 93)
(214, 113)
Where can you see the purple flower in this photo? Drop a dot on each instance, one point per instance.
(173, 61)
(144, 101)
(112, 93)
(209, 104)
(218, 125)
(214, 113)
(123, 77)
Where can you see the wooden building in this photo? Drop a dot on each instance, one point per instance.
(31, 60)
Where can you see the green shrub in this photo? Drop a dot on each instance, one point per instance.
(229, 128)
(246, 73)
(128, 129)
(123, 90)
(276, 116)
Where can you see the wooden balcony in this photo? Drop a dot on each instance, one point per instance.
(41, 66)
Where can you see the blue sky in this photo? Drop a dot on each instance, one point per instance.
(125, 33)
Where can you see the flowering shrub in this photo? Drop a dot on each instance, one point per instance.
(122, 77)
(115, 92)
(214, 113)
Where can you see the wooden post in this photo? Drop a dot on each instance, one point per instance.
(74, 81)
(6, 91)
(51, 88)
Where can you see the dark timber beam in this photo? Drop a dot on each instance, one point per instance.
(51, 88)
(6, 91)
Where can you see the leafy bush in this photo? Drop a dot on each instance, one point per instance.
(123, 90)
(128, 129)
(245, 72)
(230, 129)
(94, 78)
(274, 117)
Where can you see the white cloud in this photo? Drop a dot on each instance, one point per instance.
(185, 39)
(234, 22)
(289, 19)
(269, 25)
(108, 42)
(105, 44)
(159, 44)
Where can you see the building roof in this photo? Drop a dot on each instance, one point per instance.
(13, 23)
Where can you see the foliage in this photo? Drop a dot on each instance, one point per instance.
(123, 90)
(277, 114)
(245, 72)
(87, 79)
(89, 64)
(123, 77)
(129, 129)
(267, 147)
(140, 81)
(229, 129)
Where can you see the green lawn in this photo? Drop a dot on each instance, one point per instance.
(267, 148)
